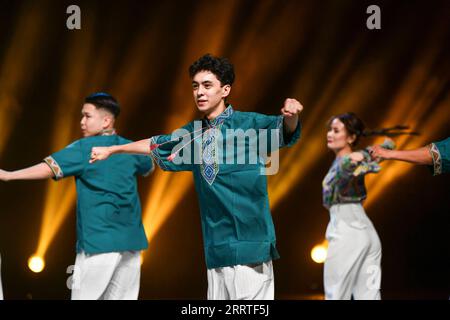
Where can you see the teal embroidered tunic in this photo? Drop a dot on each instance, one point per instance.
(108, 207)
(236, 221)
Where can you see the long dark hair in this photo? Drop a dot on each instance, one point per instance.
(355, 126)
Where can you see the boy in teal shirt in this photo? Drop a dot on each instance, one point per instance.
(238, 232)
(110, 233)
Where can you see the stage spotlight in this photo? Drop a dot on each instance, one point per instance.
(319, 252)
(36, 264)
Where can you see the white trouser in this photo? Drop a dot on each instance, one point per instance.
(241, 282)
(353, 263)
(1, 288)
(107, 276)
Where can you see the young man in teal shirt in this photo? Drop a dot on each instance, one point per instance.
(238, 232)
(110, 234)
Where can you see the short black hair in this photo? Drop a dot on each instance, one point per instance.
(103, 100)
(220, 67)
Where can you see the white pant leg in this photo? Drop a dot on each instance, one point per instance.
(217, 289)
(92, 274)
(339, 267)
(351, 242)
(1, 288)
(242, 282)
(368, 280)
(124, 284)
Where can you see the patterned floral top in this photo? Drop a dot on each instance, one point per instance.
(344, 182)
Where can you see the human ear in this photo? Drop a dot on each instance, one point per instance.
(107, 120)
(351, 139)
(226, 89)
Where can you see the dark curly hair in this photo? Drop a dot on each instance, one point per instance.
(103, 100)
(220, 67)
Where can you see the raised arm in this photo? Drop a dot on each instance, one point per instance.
(36, 172)
(138, 147)
(290, 111)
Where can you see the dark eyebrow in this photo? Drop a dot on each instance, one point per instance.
(204, 82)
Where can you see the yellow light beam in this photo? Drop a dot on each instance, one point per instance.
(413, 105)
(209, 36)
(309, 151)
(316, 115)
(410, 101)
(257, 69)
(60, 196)
(57, 207)
(133, 79)
(312, 144)
(392, 170)
(278, 30)
(18, 66)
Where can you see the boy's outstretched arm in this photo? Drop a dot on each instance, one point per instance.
(417, 156)
(36, 172)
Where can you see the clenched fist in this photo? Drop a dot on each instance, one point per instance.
(99, 153)
(379, 153)
(291, 108)
(290, 111)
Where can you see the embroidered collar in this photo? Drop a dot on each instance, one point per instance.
(108, 132)
(221, 117)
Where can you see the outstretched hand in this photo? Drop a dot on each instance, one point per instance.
(378, 153)
(99, 153)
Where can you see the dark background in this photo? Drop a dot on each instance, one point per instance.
(140, 51)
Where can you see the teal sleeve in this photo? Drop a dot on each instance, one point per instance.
(68, 161)
(145, 165)
(440, 153)
(275, 128)
(174, 152)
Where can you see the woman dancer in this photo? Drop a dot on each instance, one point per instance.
(353, 263)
